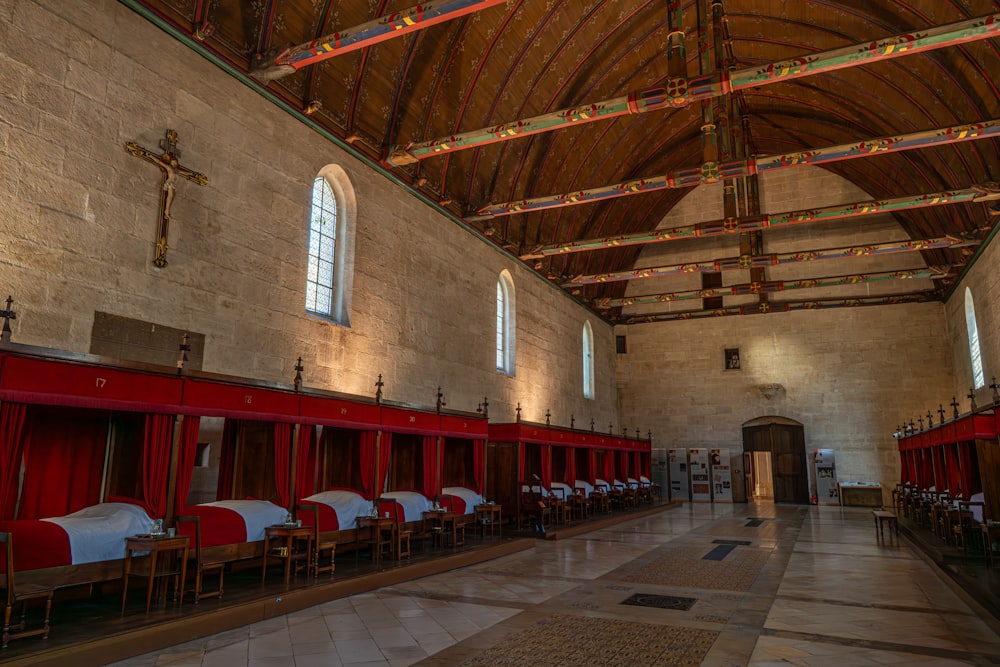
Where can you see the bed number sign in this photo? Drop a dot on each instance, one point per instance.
(248, 399)
(100, 382)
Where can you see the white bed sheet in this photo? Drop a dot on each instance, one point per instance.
(470, 497)
(257, 515)
(414, 504)
(347, 504)
(561, 490)
(98, 532)
(586, 486)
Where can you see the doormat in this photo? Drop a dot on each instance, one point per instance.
(739, 543)
(660, 601)
(571, 641)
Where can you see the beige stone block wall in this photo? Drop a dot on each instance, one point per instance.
(983, 281)
(850, 376)
(78, 213)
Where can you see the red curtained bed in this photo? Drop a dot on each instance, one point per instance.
(37, 544)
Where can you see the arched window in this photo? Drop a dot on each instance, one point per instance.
(978, 379)
(505, 324)
(329, 274)
(588, 361)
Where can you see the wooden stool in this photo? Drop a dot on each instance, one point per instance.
(881, 519)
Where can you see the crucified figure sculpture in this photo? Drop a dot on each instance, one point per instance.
(170, 169)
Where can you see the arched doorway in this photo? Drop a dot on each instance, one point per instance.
(774, 453)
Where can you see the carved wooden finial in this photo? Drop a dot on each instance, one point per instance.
(518, 410)
(298, 375)
(548, 417)
(972, 398)
(378, 389)
(941, 412)
(572, 421)
(8, 314)
(440, 400)
(954, 406)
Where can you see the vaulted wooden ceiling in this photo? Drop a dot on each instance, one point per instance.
(509, 67)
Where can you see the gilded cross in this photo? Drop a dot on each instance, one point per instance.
(170, 169)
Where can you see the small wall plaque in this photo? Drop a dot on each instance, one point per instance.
(732, 359)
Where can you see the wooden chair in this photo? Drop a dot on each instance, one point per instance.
(533, 510)
(401, 542)
(200, 566)
(320, 546)
(22, 593)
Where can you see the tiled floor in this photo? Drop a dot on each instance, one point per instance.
(812, 588)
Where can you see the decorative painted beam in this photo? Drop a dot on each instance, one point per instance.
(771, 259)
(768, 221)
(679, 92)
(387, 27)
(779, 307)
(689, 178)
(772, 286)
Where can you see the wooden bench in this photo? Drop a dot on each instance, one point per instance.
(882, 518)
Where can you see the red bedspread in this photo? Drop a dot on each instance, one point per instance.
(453, 504)
(218, 525)
(36, 544)
(327, 517)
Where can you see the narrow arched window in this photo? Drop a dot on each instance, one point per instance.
(505, 324)
(331, 246)
(588, 361)
(978, 378)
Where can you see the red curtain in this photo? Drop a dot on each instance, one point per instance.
(283, 462)
(227, 459)
(520, 462)
(385, 451)
(592, 474)
(546, 466)
(940, 470)
(571, 466)
(968, 483)
(926, 469)
(305, 463)
(431, 465)
(156, 463)
(63, 462)
(954, 470)
(609, 466)
(11, 450)
(185, 462)
(622, 473)
(478, 463)
(368, 441)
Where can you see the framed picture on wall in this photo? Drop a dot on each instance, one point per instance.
(732, 358)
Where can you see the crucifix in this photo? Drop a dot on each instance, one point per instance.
(920, 420)
(941, 411)
(972, 398)
(484, 408)
(638, 433)
(378, 389)
(954, 406)
(170, 169)
(548, 416)
(930, 419)
(519, 411)
(572, 421)
(996, 394)
(440, 400)
(591, 424)
(7, 314)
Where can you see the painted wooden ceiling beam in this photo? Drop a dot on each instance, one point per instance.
(387, 27)
(778, 307)
(770, 259)
(680, 92)
(771, 286)
(689, 178)
(768, 221)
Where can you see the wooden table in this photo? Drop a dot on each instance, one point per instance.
(289, 534)
(379, 525)
(881, 518)
(171, 547)
(489, 515)
(439, 522)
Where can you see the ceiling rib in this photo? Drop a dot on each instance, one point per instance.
(681, 92)
(684, 178)
(378, 30)
(770, 259)
(734, 225)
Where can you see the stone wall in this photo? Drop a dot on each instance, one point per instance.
(78, 214)
(848, 375)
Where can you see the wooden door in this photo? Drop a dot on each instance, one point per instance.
(786, 443)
